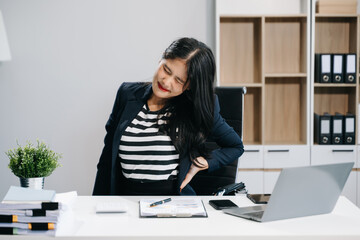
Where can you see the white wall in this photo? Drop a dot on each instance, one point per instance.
(69, 57)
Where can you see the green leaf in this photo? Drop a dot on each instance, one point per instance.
(30, 161)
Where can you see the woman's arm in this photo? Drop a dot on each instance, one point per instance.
(231, 145)
(103, 176)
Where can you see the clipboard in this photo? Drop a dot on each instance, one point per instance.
(176, 208)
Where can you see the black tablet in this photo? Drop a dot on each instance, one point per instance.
(222, 204)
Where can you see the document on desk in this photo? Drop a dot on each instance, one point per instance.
(177, 208)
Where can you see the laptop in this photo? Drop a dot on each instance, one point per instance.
(299, 192)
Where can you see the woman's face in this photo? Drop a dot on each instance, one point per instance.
(170, 78)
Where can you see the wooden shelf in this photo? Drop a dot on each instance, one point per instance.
(242, 85)
(262, 16)
(273, 56)
(240, 50)
(285, 110)
(284, 75)
(267, 54)
(324, 85)
(336, 34)
(336, 15)
(285, 45)
(285, 16)
(331, 100)
(247, 142)
(253, 117)
(288, 142)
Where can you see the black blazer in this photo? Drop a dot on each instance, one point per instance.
(130, 98)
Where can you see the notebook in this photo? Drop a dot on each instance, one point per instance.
(299, 192)
(20, 194)
(27, 198)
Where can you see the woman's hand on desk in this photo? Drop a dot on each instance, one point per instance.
(202, 164)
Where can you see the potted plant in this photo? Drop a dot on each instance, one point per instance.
(32, 164)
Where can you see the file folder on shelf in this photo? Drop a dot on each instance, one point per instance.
(323, 68)
(350, 68)
(337, 68)
(349, 128)
(322, 128)
(337, 129)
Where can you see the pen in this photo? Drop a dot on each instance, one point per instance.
(160, 202)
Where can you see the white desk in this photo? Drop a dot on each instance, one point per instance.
(342, 223)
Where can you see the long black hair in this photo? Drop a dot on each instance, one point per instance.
(192, 112)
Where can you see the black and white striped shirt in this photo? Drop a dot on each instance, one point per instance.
(145, 153)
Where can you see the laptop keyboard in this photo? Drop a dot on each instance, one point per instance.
(255, 214)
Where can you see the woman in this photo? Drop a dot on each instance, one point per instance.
(156, 133)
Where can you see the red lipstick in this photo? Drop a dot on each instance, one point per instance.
(162, 88)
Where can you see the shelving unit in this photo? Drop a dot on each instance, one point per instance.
(269, 47)
(335, 33)
(285, 111)
(240, 50)
(258, 53)
(267, 50)
(240, 55)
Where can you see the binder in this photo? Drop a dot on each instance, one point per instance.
(31, 206)
(350, 68)
(20, 231)
(349, 129)
(31, 226)
(337, 68)
(322, 128)
(323, 68)
(4, 218)
(337, 129)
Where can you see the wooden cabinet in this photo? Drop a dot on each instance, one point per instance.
(250, 169)
(264, 45)
(268, 55)
(335, 34)
(270, 47)
(323, 154)
(253, 157)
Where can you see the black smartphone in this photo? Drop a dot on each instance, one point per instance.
(259, 198)
(222, 204)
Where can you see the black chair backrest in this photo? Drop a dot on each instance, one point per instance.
(231, 101)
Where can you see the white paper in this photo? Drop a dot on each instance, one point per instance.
(325, 63)
(66, 199)
(350, 122)
(350, 64)
(338, 62)
(337, 126)
(325, 126)
(176, 207)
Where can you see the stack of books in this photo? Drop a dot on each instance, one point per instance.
(29, 211)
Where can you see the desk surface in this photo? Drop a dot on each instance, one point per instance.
(342, 223)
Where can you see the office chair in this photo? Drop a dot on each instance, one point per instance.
(231, 100)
